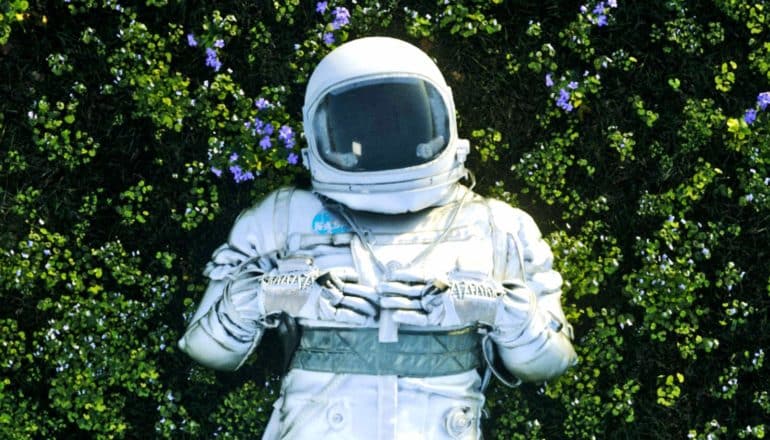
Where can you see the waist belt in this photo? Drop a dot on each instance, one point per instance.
(415, 354)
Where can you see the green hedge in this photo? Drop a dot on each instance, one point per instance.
(636, 133)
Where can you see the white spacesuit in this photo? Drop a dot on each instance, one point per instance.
(404, 283)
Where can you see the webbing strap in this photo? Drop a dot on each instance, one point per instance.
(416, 354)
(281, 216)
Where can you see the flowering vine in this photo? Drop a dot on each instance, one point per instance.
(340, 18)
(763, 100)
(599, 15)
(212, 55)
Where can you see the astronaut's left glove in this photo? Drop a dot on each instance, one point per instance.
(420, 303)
(458, 299)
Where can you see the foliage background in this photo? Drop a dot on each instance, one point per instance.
(635, 132)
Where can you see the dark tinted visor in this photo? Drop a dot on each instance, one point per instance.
(381, 125)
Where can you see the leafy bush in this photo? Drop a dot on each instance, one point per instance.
(637, 134)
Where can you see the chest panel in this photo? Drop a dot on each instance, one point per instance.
(434, 242)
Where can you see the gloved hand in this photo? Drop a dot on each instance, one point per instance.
(413, 299)
(337, 296)
(460, 298)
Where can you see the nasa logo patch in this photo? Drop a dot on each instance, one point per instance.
(326, 222)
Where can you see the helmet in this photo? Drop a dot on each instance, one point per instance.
(381, 130)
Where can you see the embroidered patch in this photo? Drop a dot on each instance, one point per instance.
(326, 222)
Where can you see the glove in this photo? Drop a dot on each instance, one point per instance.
(338, 297)
(464, 297)
(414, 300)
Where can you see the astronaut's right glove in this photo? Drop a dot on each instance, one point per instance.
(337, 297)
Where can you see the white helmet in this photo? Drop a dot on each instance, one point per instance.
(380, 125)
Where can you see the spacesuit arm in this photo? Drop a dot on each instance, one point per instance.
(532, 335)
(230, 319)
(221, 338)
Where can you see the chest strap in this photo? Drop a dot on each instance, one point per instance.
(415, 354)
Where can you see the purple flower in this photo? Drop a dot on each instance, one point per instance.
(548, 80)
(219, 43)
(601, 20)
(265, 142)
(341, 17)
(328, 38)
(293, 158)
(573, 85)
(612, 3)
(267, 129)
(285, 134)
(212, 60)
(763, 99)
(261, 104)
(599, 8)
(191, 40)
(233, 157)
(237, 172)
(258, 126)
(217, 172)
(563, 101)
(583, 9)
(320, 7)
(750, 116)
(239, 176)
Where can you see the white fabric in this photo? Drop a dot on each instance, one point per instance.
(336, 406)
(485, 239)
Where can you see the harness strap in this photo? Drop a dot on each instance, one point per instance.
(415, 354)
(281, 216)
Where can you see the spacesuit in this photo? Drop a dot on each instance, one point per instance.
(409, 290)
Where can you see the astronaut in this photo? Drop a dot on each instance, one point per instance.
(408, 289)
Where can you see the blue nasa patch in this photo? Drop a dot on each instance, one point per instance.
(326, 222)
